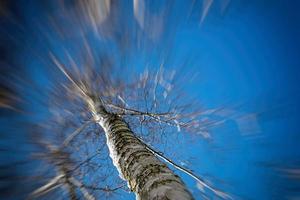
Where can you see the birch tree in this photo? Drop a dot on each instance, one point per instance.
(103, 104)
(102, 98)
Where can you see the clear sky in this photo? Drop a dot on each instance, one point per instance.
(245, 59)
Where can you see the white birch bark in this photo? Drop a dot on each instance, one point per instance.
(145, 174)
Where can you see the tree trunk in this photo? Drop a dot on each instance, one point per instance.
(145, 174)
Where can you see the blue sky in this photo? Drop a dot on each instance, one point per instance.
(246, 60)
(250, 57)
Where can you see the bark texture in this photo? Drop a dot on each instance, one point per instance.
(146, 175)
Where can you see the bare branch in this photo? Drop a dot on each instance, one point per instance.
(188, 172)
(51, 185)
(75, 133)
(81, 187)
(60, 66)
(105, 189)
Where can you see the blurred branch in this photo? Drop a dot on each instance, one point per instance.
(75, 133)
(82, 189)
(51, 185)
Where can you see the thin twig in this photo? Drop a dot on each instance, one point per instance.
(137, 112)
(188, 172)
(105, 189)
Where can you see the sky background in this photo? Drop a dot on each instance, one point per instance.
(244, 58)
